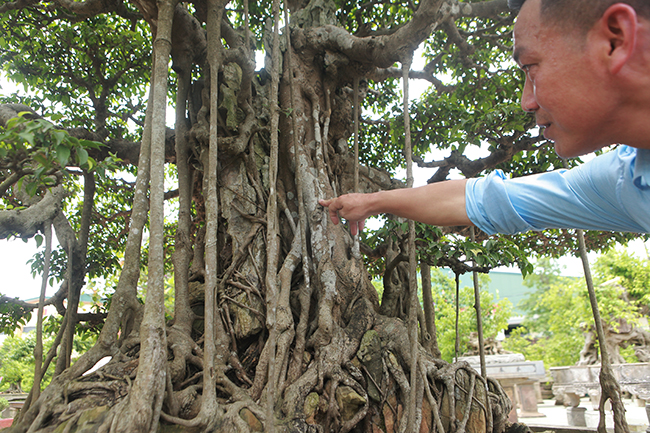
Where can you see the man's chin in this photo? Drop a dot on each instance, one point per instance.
(569, 151)
(573, 145)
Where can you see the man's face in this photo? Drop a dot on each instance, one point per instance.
(563, 87)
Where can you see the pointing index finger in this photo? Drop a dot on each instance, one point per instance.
(332, 208)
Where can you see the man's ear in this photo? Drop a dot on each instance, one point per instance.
(619, 26)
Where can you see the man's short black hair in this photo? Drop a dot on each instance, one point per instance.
(581, 14)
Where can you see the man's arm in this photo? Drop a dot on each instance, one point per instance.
(440, 203)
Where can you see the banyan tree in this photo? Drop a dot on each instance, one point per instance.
(183, 147)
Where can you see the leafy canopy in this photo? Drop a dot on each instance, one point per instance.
(558, 311)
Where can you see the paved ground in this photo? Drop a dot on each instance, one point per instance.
(557, 415)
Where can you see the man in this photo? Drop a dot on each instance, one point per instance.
(587, 65)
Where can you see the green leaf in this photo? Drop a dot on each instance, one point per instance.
(41, 159)
(31, 188)
(27, 136)
(62, 155)
(90, 144)
(11, 123)
(82, 157)
(58, 136)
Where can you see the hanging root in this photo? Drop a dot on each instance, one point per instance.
(451, 397)
(466, 395)
(372, 390)
(363, 385)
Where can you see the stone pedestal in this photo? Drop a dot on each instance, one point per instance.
(509, 389)
(528, 399)
(538, 393)
(576, 416)
(16, 402)
(594, 398)
(571, 399)
(585, 379)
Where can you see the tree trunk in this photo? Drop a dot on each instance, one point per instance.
(276, 325)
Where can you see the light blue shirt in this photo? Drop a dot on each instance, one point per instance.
(611, 192)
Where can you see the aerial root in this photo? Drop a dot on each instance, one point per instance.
(105, 426)
(73, 420)
(188, 423)
(232, 420)
(337, 377)
(435, 410)
(456, 394)
(470, 397)
(481, 396)
(234, 415)
(185, 353)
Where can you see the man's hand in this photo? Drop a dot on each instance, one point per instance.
(354, 208)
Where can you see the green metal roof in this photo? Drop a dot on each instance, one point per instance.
(502, 285)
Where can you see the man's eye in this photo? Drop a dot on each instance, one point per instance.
(526, 69)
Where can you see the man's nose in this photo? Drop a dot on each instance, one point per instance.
(528, 99)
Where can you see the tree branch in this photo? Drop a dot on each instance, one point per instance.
(487, 9)
(381, 74)
(27, 222)
(91, 8)
(380, 51)
(385, 50)
(9, 111)
(19, 4)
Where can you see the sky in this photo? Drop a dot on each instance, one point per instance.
(16, 279)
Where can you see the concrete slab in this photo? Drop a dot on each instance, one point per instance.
(556, 416)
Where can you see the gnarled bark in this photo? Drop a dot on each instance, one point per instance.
(276, 325)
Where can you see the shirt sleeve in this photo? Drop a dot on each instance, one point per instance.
(598, 195)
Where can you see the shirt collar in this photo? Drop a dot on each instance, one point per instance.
(641, 169)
